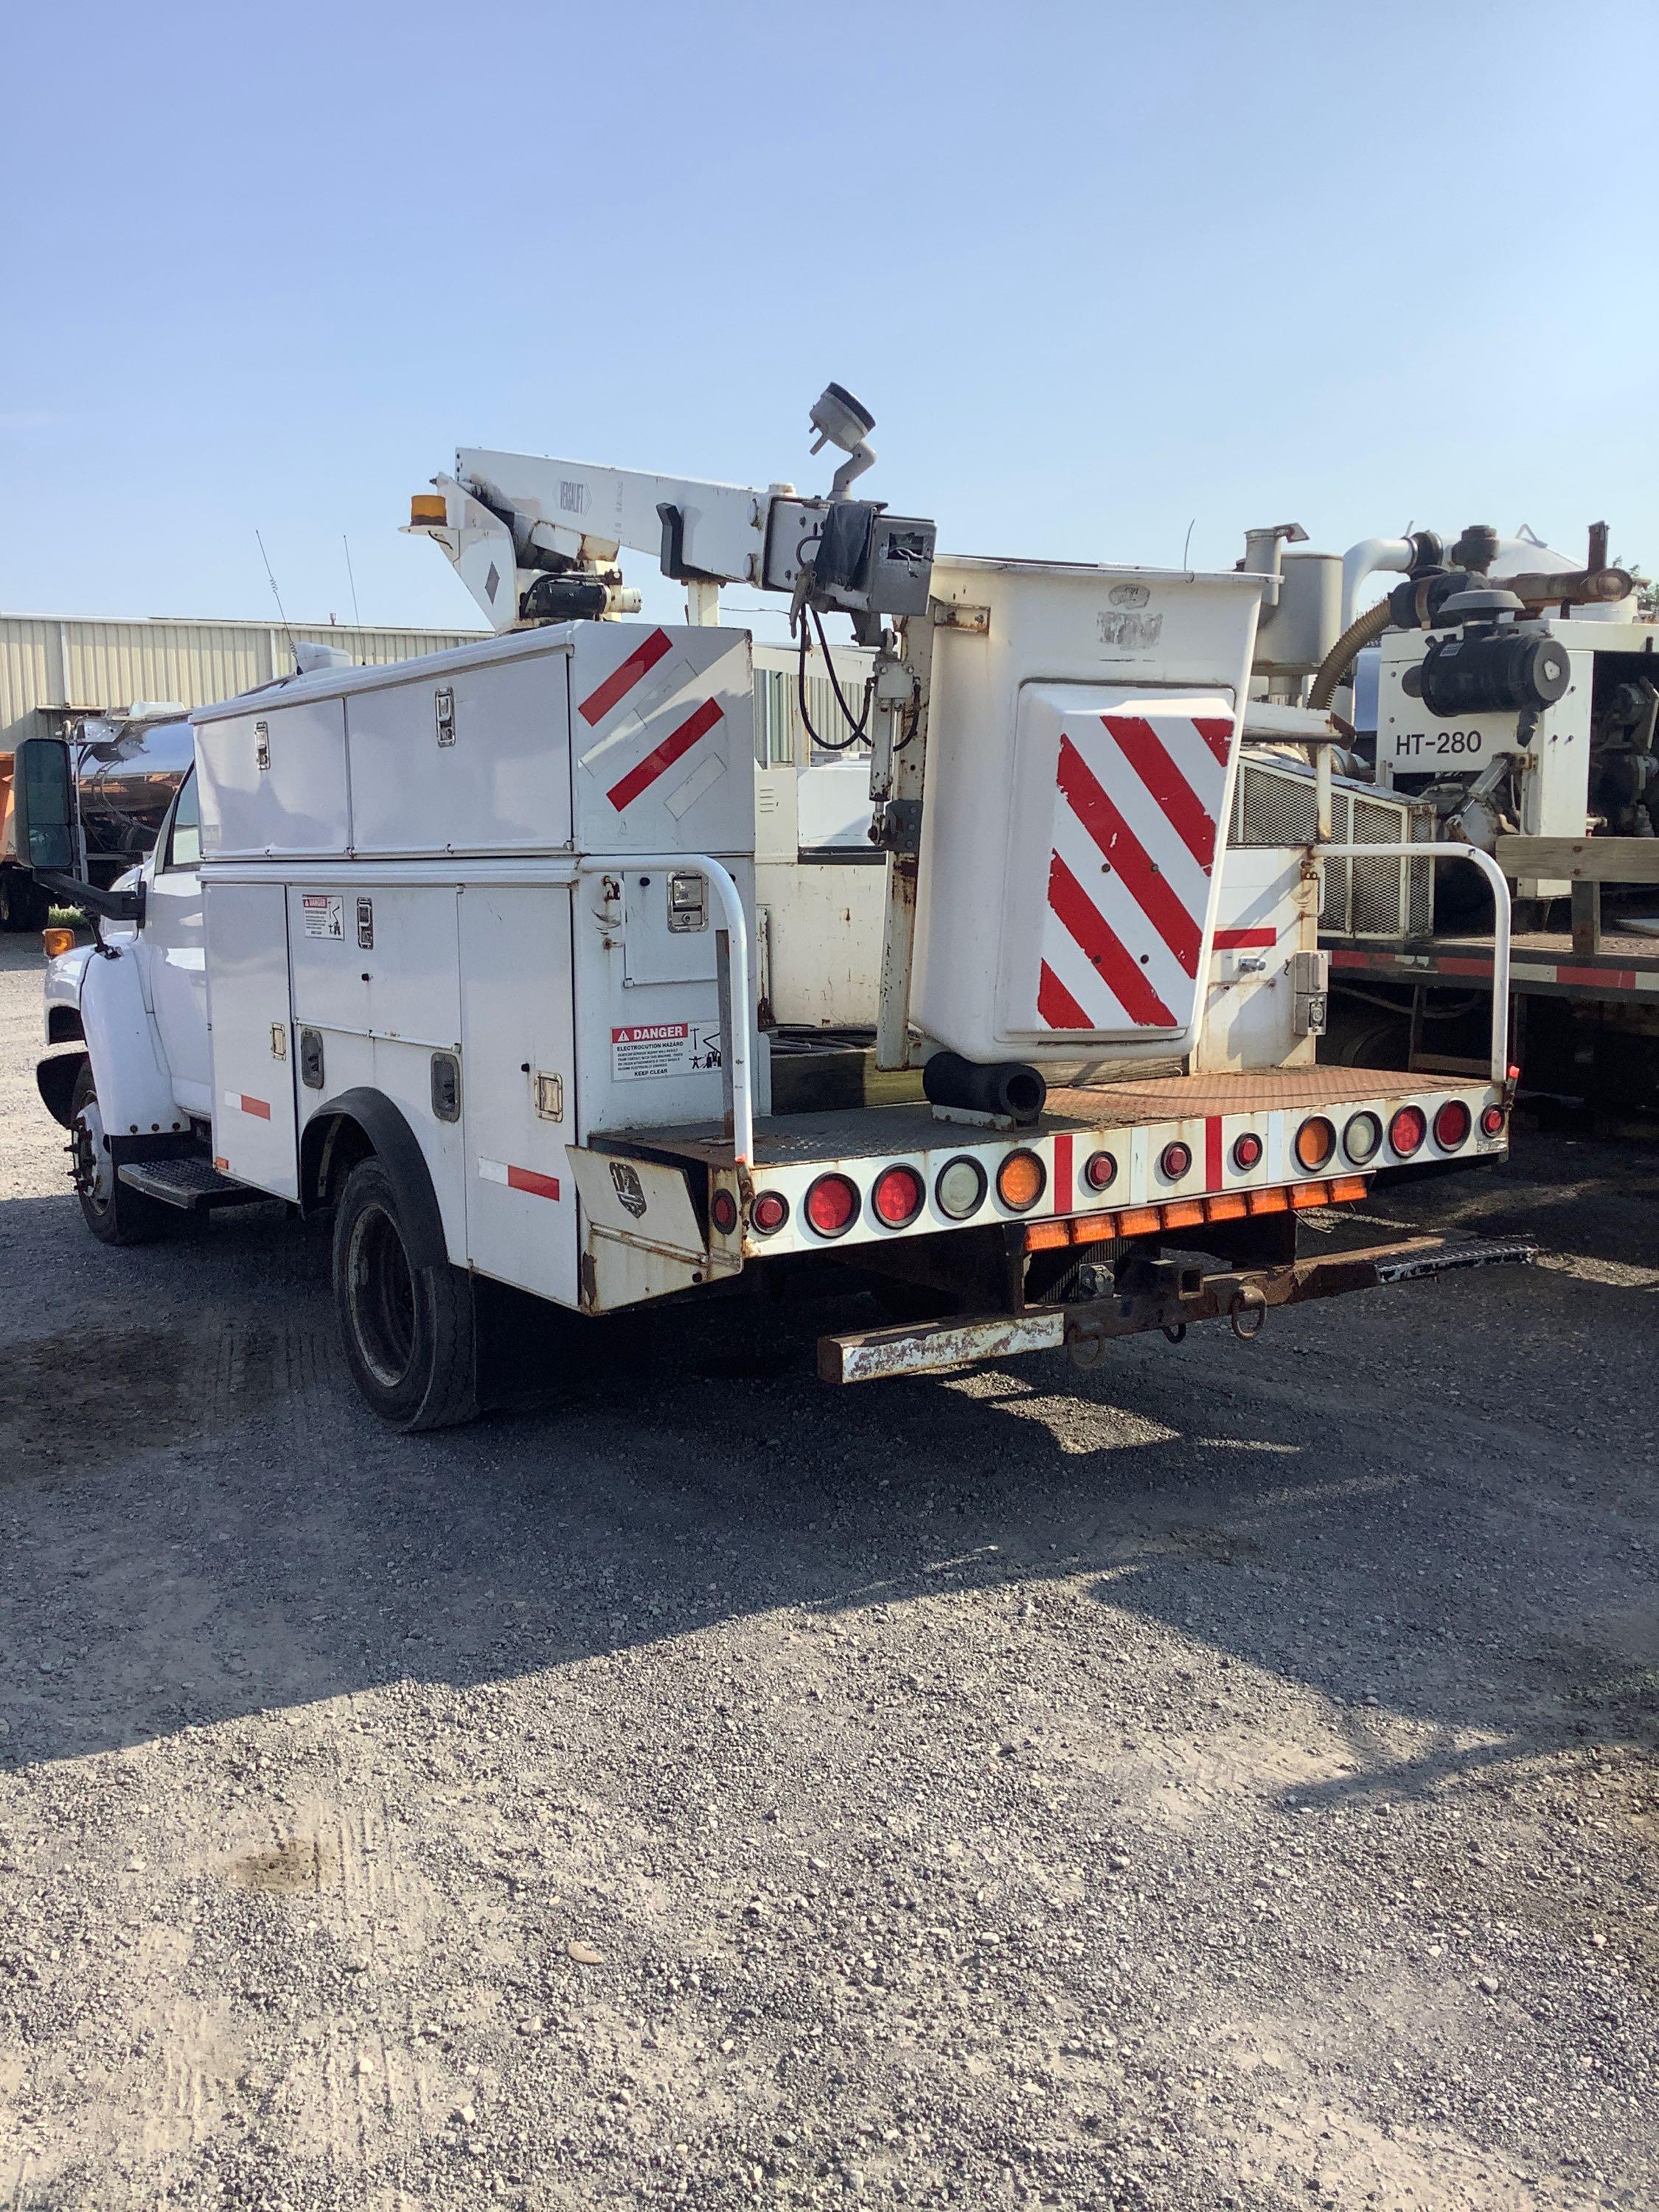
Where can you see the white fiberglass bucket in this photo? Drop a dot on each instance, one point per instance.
(1081, 754)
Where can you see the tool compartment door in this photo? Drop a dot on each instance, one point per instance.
(519, 1086)
(246, 927)
(1115, 865)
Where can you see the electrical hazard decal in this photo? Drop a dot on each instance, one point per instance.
(323, 916)
(649, 1049)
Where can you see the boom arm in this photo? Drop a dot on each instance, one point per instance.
(507, 518)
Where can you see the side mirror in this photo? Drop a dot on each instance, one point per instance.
(43, 804)
(43, 815)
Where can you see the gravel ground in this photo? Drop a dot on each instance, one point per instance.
(1224, 1779)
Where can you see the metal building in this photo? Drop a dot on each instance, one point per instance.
(75, 661)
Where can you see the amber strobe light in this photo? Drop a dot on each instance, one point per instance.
(1407, 1130)
(832, 1205)
(1452, 1125)
(1020, 1180)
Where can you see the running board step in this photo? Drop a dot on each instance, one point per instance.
(193, 1186)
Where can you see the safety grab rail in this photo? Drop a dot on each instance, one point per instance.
(1500, 930)
(737, 1005)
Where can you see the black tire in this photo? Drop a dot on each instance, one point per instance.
(410, 1333)
(115, 1213)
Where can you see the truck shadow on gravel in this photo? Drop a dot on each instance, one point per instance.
(215, 1527)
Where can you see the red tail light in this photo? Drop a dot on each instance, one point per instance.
(769, 1212)
(723, 1212)
(1175, 1160)
(1407, 1130)
(898, 1197)
(1100, 1171)
(1247, 1149)
(1492, 1121)
(1452, 1125)
(832, 1205)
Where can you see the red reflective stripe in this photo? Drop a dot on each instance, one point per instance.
(1064, 1184)
(663, 755)
(1212, 1152)
(1056, 1005)
(1219, 735)
(1128, 856)
(257, 1107)
(1141, 747)
(643, 659)
(539, 1186)
(1238, 940)
(1118, 969)
(1605, 979)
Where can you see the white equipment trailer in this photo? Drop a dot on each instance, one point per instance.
(464, 950)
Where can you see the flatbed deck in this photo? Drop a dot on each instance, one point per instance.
(1542, 964)
(881, 1131)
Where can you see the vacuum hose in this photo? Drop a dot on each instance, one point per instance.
(1341, 659)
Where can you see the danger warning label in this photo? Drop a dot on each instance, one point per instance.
(323, 916)
(653, 1048)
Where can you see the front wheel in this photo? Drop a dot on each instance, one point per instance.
(409, 1333)
(112, 1210)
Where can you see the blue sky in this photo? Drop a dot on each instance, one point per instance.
(1101, 272)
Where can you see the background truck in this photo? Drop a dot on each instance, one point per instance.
(464, 950)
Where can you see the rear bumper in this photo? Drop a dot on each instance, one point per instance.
(1244, 1296)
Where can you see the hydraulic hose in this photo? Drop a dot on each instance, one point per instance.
(1341, 659)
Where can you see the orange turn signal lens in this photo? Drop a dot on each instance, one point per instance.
(1020, 1182)
(1315, 1140)
(58, 941)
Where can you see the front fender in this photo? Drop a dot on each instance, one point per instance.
(61, 1008)
(135, 1085)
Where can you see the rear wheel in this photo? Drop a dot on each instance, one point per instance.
(409, 1332)
(115, 1213)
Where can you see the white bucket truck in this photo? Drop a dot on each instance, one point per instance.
(463, 951)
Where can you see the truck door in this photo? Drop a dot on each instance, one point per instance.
(176, 954)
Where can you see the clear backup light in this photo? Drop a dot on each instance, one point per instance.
(1452, 1125)
(897, 1197)
(832, 1205)
(959, 1190)
(1362, 1140)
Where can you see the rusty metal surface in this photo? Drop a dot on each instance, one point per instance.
(1244, 1296)
(869, 1131)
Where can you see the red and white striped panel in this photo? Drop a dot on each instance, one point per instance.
(1137, 827)
(652, 733)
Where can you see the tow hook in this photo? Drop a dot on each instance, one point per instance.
(1247, 1314)
(1086, 1346)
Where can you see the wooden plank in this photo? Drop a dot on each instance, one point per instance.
(1582, 860)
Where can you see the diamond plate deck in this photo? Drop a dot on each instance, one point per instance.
(869, 1132)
